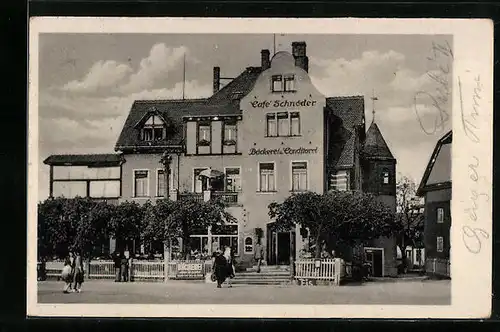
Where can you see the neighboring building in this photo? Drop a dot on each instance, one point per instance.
(98, 176)
(269, 133)
(435, 187)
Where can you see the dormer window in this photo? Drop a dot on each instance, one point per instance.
(153, 129)
(230, 131)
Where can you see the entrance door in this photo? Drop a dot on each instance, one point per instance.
(283, 254)
(375, 257)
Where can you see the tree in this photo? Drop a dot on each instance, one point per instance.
(409, 219)
(126, 223)
(157, 224)
(348, 216)
(66, 224)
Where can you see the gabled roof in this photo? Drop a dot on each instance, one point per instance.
(350, 110)
(173, 111)
(375, 146)
(91, 160)
(437, 174)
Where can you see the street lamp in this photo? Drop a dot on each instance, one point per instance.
(166, 160)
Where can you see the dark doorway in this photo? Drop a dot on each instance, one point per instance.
(374, 256)
(283, 249)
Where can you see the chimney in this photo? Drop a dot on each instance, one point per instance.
(300, 55)
(265, 62)
(216, 79)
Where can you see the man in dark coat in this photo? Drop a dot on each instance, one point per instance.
(117, 262)
(220, 268)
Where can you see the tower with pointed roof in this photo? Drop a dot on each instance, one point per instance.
(379, 178)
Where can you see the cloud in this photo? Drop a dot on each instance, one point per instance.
(102, 75)
(155, 67)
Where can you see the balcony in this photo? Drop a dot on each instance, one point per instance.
(227, 197)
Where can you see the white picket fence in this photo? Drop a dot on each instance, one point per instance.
(438, 267)
(323, 269)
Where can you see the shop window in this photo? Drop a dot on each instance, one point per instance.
(271, 125)
(439, 244)
(299, 176)
(277, 83)
(440, 215)
(218, 238)
(141, 181)
(204, 133)
(266, 177)
(233, 179)
(385, 176)
(248, 245)
(230, 133)
(289, 81)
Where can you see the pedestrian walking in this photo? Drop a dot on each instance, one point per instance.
(220, 268)
(259, 255)
(117, 262)
(124, 268)
(67, 273)
(79, 273)
(228, 256)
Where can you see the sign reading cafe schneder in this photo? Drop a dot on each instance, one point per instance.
(287, 150)
(282, 103)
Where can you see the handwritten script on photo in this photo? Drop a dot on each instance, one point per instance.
(472, 233)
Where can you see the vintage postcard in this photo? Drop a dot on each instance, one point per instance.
(285, 168)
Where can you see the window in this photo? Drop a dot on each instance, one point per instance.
(69, 189)
(440, 215)
(204, 134)
(229, 133)
(289, 83)
(154, 129)
(271, 124)
(223, 236)
(294, 124)
(198, 184)
(299, 176)
(233, 179)
(160, 183)
(283, 124)
(385, 176)
(103, 189)
(141, 180)
(266, 177)
(277, 83)
(248, 245)
(439, 244)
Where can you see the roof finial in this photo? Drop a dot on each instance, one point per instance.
(373, 98)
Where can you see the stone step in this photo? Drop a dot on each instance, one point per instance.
(269, 268)
(260, 282)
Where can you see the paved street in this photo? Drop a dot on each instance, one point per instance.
(418, 292)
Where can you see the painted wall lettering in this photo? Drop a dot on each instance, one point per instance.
(283, 103)
(287, 150)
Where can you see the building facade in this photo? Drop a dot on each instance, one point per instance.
(435, 187)
(268, 133)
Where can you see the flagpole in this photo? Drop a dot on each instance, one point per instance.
(184, 76)
(274, 43)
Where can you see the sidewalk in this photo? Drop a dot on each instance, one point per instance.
(436, 292)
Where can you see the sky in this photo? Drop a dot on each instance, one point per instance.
(88, 82)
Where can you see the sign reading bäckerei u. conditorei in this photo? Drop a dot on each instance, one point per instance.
(286, 150)
(283, 103)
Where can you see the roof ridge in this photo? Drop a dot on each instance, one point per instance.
(346, 97)
(145, 101)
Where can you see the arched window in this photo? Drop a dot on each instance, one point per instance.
(248, 245)
(385, 176)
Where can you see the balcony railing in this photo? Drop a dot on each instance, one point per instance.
(227, 197)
